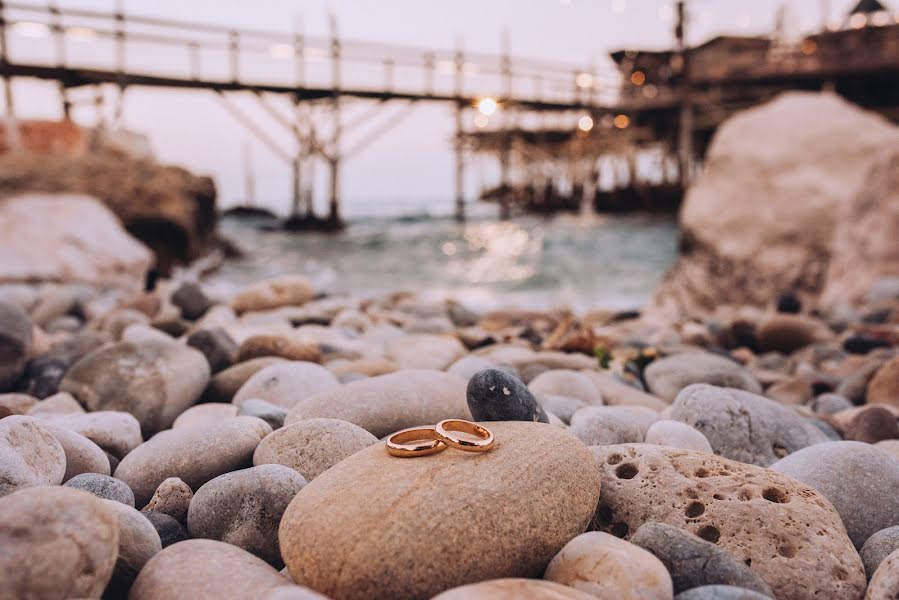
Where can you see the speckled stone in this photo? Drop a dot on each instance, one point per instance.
(494, 395)
(29, 455)
(877, 547)
(103, 487)
(348, 534)
(172, 498)
(778, 524)
(513, 588)
(666, 377)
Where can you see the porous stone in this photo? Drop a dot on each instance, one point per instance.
(82, 455)
(885, 581)
(744, 426)
(494, 395)
(216, 345)
(666, 377)
(883, 388)
(191, 300)
(169, 530)
(281, 346)
(205, 570)
(204, 414)
(244, 508)
(138, 542)
(601, 425)
(693, 561)
(513, 588)
(29, 455)
(566, 382)
(720, 592)
(872, 424)
(154, 381)
(193, 454)
(224, 385)
(15, 343)
(786, 333)
(858, 479)
(388, 403)
(288, 290)
(286, 384)
(103, 487)
(609, 568)
(116, 432)
(349, 534)
(787, 533)
(677, 435)
(172, 498)
(424, 351)
(272, 414)
(877, 547)
(57, 543)
(312, 446)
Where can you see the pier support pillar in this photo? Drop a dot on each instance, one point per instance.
(460, 167)
(334, 205)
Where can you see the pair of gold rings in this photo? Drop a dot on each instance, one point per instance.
(421, 441)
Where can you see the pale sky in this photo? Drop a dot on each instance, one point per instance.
(412, 162)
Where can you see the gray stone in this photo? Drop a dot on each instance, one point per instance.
(744, 426)
(29, 455)
(216, 345)
(494, 395)
(272, 414)
(191, 301)
(677, 435)
(169, 530)
(877, 547)
(603, 425)
(244, 508)
(563, 407)
(720, 592)
(138, 542)
(858, 479)
(566, 382)
(103, 486)
(15, 343)
(666, 377)
(172, 498)
(693, 561)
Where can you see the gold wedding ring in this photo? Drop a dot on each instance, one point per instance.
(415, 441)
(446, 429)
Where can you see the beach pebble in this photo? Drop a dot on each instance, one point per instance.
(287, 290)
(561, 406)
(889, 446)
(786, 333)
(677, 435)
(312, 446)
(193, 454)
(369, 367)
(286, 384)
(565, 382)
(862, 344)
(272, 414)
(884, 583)
(138, 542)
(615, 392)
(744, 426)
(854, 386)
(154, 381)
(357, 514)
(170, 531)
(244, 508)
(514, 588)
(191, 300)
(877, 547)
(204, 414)
(602, 425)
(883, 388)
(605, 566)
(138, 333)
(103, 487)
(423, 351)
(495, 395)
(17, 404)
(114, 431)
(224, 385)
(294, 592)
(57, 404)
(82, 455)
(787, 533)
(216, 345)
(57, 543)
(470, 364)
(15, 343)
(693, 561)
(858, 479)
(666, 377)
(830, 403)
(388, 403)
(720, 592)
(872, 424)
(172, 498)
(204, 570)
(29, 455)
(281, 346)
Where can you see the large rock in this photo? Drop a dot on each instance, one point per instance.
(205, 570)
(155, 381)
(193, 454)
(787, 533)
(67, 238)
(746, 237)
(356, 531)
(138, 542)
(312, 446)
(666, 377)
(57, 543)
(15, 342)
(287, 383)
(29, 455)
(244, 508)
(744, 426)
(857, 478)
(388, 403)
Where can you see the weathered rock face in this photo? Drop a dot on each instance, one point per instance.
(745, 235)
(787, 533)
(155, 381)
(80, 240)
(57, 543)
(356, 530)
